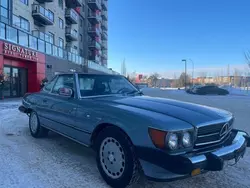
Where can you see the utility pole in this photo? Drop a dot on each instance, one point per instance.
(185, 73)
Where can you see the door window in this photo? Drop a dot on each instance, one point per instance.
(64, 81)
(50, 85)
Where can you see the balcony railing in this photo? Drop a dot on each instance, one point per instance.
(94, 17)
(105, 5)
(94, 44)
(71, 16)
(94, 4)
(94, 57)
(104, 25)
(104, 35)
(104, 45)
(104, 56)
(71, 34)
(44, 1)
(104, 15)
(74, 3)
(42, 16)
(93, 31)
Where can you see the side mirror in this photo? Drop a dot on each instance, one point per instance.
(66, 92)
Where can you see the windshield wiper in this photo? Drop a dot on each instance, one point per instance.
(135, 92)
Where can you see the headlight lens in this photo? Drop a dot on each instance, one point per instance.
(186, 139)
(172, 141)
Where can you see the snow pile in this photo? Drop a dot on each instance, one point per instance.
(237, 90)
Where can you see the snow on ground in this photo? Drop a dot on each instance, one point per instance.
(56, 162)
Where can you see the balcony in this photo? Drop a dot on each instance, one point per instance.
(93, 44)
(94, 4)
(73, 3)
(93, 56)
(94, 17)
(104, 25)
(42, 16)
(71, 16)
(71, 34)
(104, 36)
(105, 5)
(104, 15)
(44, 1)
(104, 45)
(104, 56)
(94, 32)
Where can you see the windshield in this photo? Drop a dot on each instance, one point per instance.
(92, 85)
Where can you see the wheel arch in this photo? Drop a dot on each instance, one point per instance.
(103, 126)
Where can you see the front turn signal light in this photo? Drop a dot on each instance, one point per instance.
(157, 137)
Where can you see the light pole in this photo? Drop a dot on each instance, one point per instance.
(185, 73)
(192, 72)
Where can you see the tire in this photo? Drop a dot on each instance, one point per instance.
(36, 130)
(119, 154)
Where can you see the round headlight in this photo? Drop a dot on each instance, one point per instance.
(186, 139)
(172, 141)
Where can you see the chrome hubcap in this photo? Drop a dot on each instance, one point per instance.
(112, 158)
(33, 123)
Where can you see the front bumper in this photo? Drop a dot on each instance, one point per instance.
(23, 109)
(160, 166)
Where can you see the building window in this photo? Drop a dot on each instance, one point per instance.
(49, 38)
(32, 42)
(48, 48)
(26, 2)
(25, 24)
(55, 51)
(61, 25)
(60, 3)
(50, 15)
(80, 22)
(61, 43)
(2, 30)
(81, 37)
(23, 38)
(21, 22)
(11, 34)
(41, 45)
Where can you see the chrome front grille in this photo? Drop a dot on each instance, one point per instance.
(212, 134)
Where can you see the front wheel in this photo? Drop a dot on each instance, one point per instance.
(36, 130)
(116, 158)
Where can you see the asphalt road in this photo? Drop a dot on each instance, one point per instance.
(56, 162)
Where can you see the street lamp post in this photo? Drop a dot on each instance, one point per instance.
(185, 73)
(192, 72)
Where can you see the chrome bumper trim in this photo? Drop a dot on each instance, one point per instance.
(238, 143)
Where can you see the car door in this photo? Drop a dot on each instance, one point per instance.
(62, 110)
(86, 109)
(44, 101)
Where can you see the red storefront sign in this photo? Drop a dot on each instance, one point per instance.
(19, 52)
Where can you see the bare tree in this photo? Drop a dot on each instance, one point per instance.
(247, 57)
(181, 81)
(153, 79)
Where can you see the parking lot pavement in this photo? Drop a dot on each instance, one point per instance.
(56, 162)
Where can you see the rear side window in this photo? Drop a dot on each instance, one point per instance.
(50, 85)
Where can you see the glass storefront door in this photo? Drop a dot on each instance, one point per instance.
(15, 82)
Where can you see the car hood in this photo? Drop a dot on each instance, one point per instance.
(189, 112)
